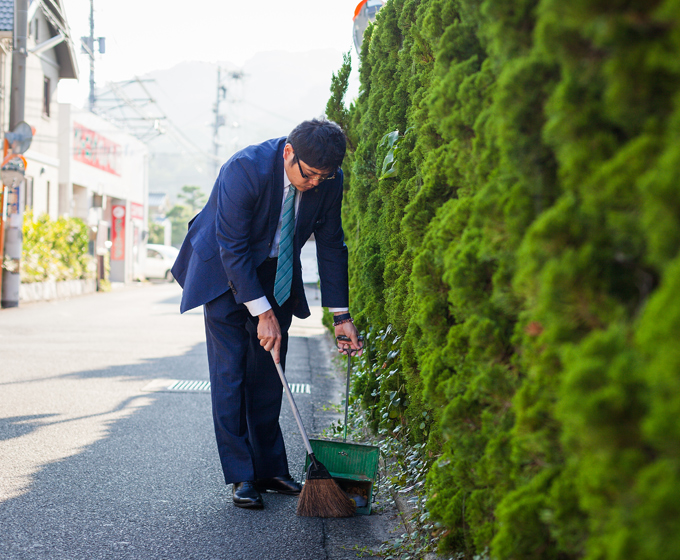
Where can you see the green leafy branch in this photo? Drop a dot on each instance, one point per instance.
(392, 140)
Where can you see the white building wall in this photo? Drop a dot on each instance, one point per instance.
(102, 166)
(127, 178)
(42, 113)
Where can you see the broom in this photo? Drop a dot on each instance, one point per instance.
(321, 496)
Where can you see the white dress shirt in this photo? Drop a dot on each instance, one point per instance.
(258, 306)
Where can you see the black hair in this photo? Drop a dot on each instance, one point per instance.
(320, 143)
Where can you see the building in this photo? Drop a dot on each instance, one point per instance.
(103, 179)
(51, 57)
(78, 164)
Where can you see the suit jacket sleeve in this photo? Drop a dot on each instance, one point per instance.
(332, 254)
(237, 202)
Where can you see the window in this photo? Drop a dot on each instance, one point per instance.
(46, 97)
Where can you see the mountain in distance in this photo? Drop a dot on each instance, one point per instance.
(277, 91)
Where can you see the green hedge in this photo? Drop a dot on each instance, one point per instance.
(523, 251)
(55, 249)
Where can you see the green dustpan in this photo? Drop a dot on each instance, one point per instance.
(354, 466)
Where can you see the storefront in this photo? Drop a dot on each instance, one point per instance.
(103, 179)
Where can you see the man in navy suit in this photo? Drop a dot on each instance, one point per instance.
(228, 263)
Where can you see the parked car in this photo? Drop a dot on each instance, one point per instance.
(159, 261)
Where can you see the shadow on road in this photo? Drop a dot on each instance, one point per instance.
(138, 476)
(149, 486)
(19, 426)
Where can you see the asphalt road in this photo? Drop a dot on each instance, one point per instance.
(94, 464)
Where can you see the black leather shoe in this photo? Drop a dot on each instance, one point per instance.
(280, 484)
(246, 495)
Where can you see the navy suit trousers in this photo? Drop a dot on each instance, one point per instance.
(245, 386)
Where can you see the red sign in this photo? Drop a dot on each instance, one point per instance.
(117, 233)
(93, 149)
(136, 211)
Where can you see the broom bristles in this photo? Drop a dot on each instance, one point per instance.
(324, 498)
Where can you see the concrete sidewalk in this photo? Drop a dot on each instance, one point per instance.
(93, 466)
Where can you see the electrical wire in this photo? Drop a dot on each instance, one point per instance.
(187, 146)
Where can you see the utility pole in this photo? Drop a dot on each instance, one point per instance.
(220, 120)
(87, 47)
(2, 224)
(11, 278)
(91, 45)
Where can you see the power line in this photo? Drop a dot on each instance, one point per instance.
(267, 111)
(143, 117)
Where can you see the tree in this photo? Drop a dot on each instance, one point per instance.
(156, 233)
(193, 197)
(180, 214)
(517, 276)
(335, 108)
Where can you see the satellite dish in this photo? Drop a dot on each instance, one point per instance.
(20, 138)
(364, 14)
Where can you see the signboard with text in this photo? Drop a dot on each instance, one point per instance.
(117, 233)
(136, 211)
(13, 199)
(92, 148)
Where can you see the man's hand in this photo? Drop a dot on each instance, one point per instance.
(269, 334)
(349, 330)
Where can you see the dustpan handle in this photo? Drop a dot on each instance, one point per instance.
(349, 352)
(296, 412)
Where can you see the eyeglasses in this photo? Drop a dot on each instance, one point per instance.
(321, 178)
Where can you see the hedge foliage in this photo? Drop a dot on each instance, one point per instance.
(55, 249)
(514, 262)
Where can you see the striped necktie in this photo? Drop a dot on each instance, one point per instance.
(284, 266)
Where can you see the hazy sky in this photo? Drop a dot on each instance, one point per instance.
(146, 35)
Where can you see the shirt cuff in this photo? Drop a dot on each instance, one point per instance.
(258, 306)
(338, 309)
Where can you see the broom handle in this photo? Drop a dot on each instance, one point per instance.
(296, 413)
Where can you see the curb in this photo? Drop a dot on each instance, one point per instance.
(404, 508)
(50, 290)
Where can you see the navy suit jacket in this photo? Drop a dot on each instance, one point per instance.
(234, 232)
